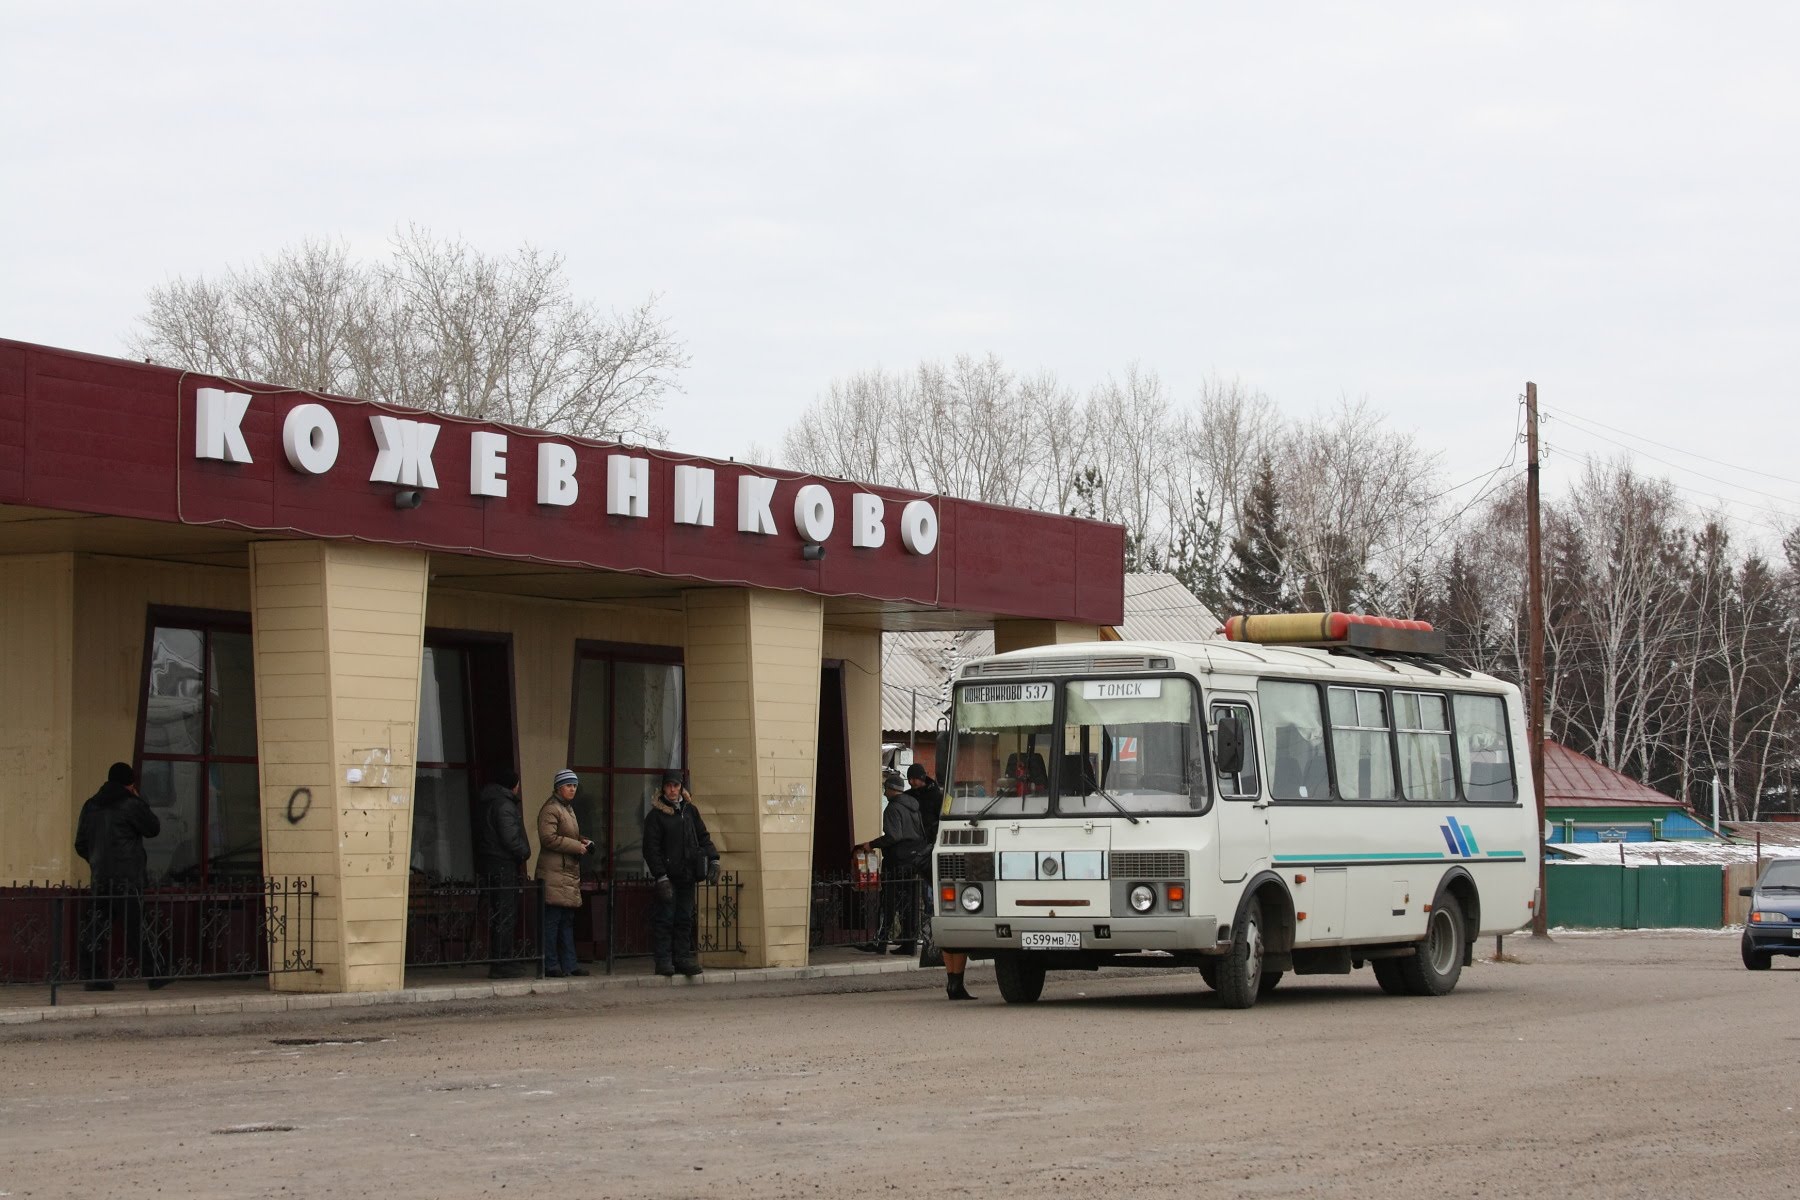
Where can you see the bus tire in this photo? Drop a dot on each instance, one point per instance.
(1240, 971)
(1209, 971)
(1437, 964)
(1387, 974)
(1021, 978)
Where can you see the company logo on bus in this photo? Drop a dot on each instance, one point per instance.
(1459, 837)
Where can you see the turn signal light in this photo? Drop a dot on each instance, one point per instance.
(1177, 895)
(948, 893)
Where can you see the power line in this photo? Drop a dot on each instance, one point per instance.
(1566, 415)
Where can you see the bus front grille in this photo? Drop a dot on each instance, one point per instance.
(1149, 864)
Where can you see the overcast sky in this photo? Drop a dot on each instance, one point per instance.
(1423, 205)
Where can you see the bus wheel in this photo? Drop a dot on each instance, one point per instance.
(1209, 971)
(1021, 979)
(1433, 970)
(1240, 971)
(1387, 974)
(1270, 980)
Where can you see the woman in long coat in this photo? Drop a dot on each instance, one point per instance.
(560, 847)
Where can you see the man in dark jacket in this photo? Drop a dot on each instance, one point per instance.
(679, 852)
(903, 850)
(930, 796)
(110, 836)
(501, 852)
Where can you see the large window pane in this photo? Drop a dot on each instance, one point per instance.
(1294, 740)
(591, 708)
(235, 820)
(440, 842)
(231, 685)
(172, 790)
(1481, 736)
(173, 700)
(590, 816)
(646, 715)
(443, 696)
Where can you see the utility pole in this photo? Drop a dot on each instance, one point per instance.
(1534, 608)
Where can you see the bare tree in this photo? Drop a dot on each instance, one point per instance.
(438, 325)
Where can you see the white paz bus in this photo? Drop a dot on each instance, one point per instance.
(1318, 793)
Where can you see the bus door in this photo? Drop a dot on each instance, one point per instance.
(1243, 814)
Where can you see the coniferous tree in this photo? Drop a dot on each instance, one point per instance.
(1255, 579)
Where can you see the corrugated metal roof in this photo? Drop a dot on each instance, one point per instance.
(1772, 833)
(1663, 854)
(916, 668)
(1574, 780)
(1159, 609)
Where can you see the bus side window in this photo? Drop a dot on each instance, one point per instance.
(1294, 740)
(1246, 782)
(1486, 750)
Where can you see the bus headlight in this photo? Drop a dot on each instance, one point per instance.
(1143, 898)
(971, 898)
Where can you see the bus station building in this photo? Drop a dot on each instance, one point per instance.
(316, 625)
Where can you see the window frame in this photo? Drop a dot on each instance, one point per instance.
(612, 653)
(206, 622)
(1252, 743)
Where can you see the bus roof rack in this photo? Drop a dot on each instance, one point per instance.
(1334, 630)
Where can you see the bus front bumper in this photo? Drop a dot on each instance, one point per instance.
(981, 935)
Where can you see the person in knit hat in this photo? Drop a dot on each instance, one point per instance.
(560, 849)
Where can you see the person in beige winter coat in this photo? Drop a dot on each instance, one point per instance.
(560, 849)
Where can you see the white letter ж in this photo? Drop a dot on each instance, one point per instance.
(405, 456)
(217, 414)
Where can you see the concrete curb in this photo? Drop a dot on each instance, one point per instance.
(277, 1002)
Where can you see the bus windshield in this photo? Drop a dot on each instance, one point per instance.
(1128, 745)
(1003, 749)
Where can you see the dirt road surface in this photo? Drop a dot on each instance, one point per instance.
(1599, 1065)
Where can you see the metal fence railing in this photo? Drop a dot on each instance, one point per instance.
(488, 923)
(58, 934)
(847, 911)
(621, 917)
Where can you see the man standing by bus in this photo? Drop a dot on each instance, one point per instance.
(679, 853)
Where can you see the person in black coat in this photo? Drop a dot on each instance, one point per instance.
(903, 851)
(501, 852)
(930, 796)
(110, 837)
(679, 853)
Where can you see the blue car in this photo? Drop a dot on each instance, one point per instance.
(1774, 924)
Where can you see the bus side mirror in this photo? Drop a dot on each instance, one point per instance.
(1228, 746)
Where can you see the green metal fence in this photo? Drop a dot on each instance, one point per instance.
(1597, 897)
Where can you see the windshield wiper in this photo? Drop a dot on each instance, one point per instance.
(976, 819)
(1109, 798)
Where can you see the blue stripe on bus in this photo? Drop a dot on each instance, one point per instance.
(1450, 840)
(1391, 857)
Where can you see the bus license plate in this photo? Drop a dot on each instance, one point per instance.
(1050, 941)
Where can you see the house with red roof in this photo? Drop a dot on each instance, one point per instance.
(1587, 802)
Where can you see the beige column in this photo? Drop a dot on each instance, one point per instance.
(752, 664)
(38, 802)
(339, 632)
(1020, 635)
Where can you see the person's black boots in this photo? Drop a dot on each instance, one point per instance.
(664, 967)
(953, 986)
(689, 967)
